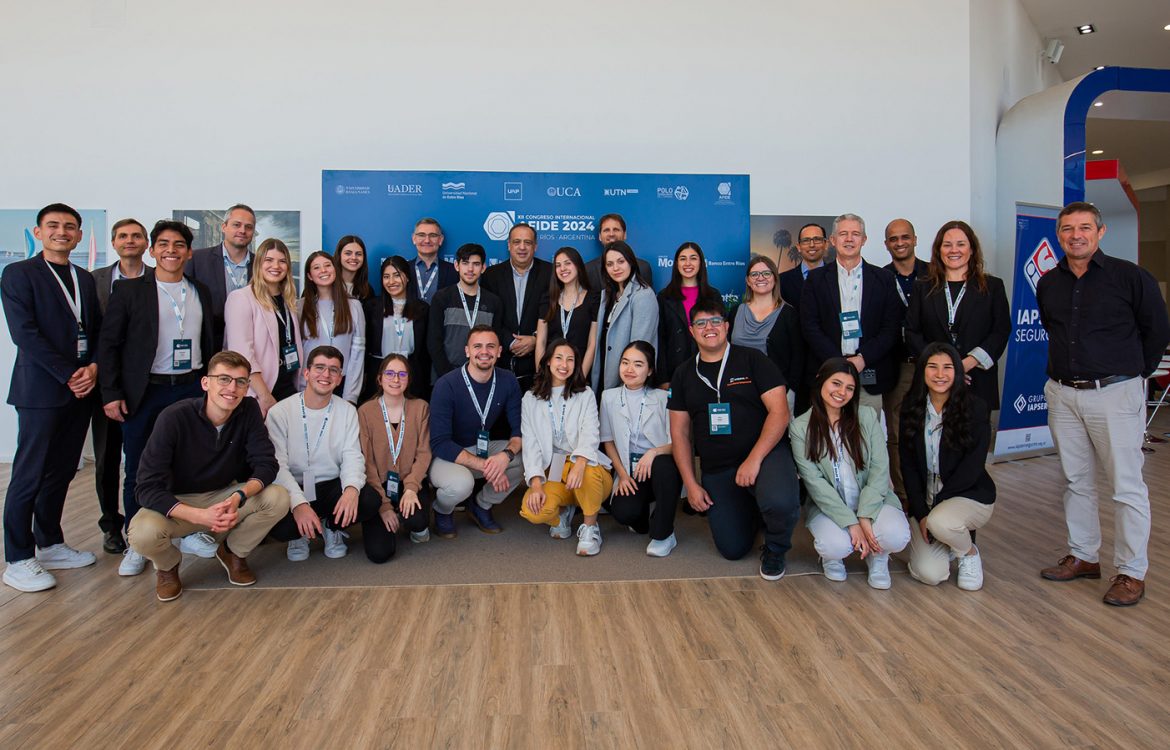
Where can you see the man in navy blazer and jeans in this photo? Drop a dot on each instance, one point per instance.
(54, 320)
(849, 308)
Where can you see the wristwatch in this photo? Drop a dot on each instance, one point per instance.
(511, 453)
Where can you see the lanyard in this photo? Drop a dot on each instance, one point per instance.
(558, 432)
(180, 315)
(566, 319)
(286, 322)
(74, 300)
(471, 316)
(305, 427)
(425, 289)
(331, 324)
(238, 282)
(719, 378)
(953, 307)
(932, 450)
(481, 411)
(637, 425)
(838, 448)
(901, 292)
(395, 448)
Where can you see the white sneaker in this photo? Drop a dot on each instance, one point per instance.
(64, 557)
(28, 575)
(420, 537)
(564, 528)
(661, 547)
(970, 576)
(879, 570)
(298, 550)
(132, 563)
(834, 570)
(588, 540)
(200, 544)
(334, 543)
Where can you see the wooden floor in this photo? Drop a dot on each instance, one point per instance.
(722, 663)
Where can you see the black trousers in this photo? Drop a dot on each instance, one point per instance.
(107, 452)
(662, 489)
(380, 544)
(736, 512)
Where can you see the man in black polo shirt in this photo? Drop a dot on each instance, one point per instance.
(735, 401)
(1107, 330)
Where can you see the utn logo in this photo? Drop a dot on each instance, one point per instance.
(618, 192)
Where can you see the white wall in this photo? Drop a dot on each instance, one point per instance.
(140, 107)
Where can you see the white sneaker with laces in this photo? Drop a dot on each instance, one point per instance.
(420, 537)
(200, 544)
(564, 528)
(28, 575)
(970, 576)
(879, 571)
(334, 543)
(661, 547)
(298, 550)
(588, 540)
(834, 570)
(132, 563)
(64, 557)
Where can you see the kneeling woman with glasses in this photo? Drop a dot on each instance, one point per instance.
(562, 465)
(840, 451)
(395, 436)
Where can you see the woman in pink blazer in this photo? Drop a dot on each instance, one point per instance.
(260, 322)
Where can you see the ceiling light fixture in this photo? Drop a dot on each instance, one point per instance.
(1098, 104)
(1099, 67)
(1167, 27)
(1098, 152)
(1086, 28)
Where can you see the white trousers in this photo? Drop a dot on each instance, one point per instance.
(833, 542)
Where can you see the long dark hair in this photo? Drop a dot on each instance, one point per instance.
(673, 290)
(342, 320)
(414, 308)
(361, 279)
(626, 252)
(938, 271)
(820, 438)
(956, 416)
(555, 287)
(542, 384)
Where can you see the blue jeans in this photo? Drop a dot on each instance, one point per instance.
(736, 512)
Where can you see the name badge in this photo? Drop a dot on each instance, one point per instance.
(481, 444)
(289, 355)
(851, 325)
(181, 354)
(82, 344)
(634, 459)
(869, 376)
(393, 486)
(719, 418)
(309, 482)
(556, 470)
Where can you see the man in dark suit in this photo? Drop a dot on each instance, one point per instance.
(431, 273)
(227, 266)
(156, 337)
(812, 243)
(522, 286)
(55, 321)
(611, 228)
(128, 238)
(901, 243)
(848, 308)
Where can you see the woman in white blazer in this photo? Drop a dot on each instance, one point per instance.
(628, 312)
(635, 434)
(562, 464)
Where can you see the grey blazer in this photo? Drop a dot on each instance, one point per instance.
(634, 316)
(104, 278)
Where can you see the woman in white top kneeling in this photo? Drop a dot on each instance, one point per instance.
(562, 464)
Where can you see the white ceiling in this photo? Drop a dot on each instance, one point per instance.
(1129, 32)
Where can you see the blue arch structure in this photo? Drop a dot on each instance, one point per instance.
(1076, 111)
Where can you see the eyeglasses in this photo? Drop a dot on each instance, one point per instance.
(229, 380)
(760, 274)
(812, 241)
(400, 374)
(701, 323)
(319, 368)
(427, 235)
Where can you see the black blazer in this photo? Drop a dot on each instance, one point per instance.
(881, 320)
(675, 343)
(130, 336)
(963, 475)
(420, 359)
(43, 328)
(498, 280)
(785, 346)
(206, 267)
(791, 282)
(448, 276)
(983, 320)
(595, 272)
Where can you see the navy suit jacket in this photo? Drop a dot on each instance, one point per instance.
(448, 276)
(206, 267)
(881, 320)
(498, 280)
(44, 330)
(790, 283)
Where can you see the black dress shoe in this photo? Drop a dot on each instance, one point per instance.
(113, 542)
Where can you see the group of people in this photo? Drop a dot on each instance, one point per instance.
(245, 412)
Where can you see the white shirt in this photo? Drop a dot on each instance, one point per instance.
(352, 345)
(617, 423)
(849, 286)
(168, 326)
(337, 452)
(848, 488)
(933, 438)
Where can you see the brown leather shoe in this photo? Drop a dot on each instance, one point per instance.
(239, 574)
(1125, 591)
(1071, 567)
(167, 585)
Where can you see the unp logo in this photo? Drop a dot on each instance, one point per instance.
(498, 224)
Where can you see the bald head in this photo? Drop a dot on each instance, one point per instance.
(901, 241)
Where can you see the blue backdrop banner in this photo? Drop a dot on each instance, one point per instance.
(1023, 415)
(661, 212)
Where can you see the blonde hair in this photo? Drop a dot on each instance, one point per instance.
(260, 291)
(755, 261)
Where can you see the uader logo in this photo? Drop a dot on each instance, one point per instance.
(1020, 404)
(498, 224)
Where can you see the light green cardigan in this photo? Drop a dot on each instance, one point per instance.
(874, 479)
